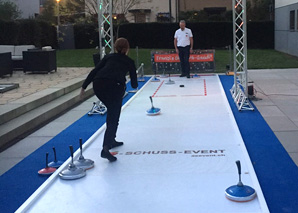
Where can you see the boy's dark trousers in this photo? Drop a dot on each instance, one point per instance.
(111, 94)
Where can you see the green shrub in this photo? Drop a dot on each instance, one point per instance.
(27, 31)
(206, 34)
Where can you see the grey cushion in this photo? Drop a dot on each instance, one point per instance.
(7, 49)
(20, 48)
(17, 57)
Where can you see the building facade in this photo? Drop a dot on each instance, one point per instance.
(286, 26)
(152, 10)
(145, 10)
(157, 10)
(188, 5)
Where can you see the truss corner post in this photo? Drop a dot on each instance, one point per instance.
(239, 90)
(105, 27)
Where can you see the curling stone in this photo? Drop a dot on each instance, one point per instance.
(56, 163)
(72, 172)
(153, 110)
(82, 162)
(47, 170)
(170, 81)
(133, 91)
(125, 94)
(141, 79)
(240, 192)
(155, 79)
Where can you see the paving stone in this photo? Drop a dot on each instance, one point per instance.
(270, 111)
(281, 123)
(25, 147)
(289, 140)
(294, 157)
(39, 82)
(4, 101)
(7, 163)
(14, 95)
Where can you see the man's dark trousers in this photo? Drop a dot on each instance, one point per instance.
(184, 59)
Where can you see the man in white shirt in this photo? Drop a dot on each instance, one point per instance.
(183, 42)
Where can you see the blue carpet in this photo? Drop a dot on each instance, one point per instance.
(276, 172)
(17, 184)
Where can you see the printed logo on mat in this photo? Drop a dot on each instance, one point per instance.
(191, 153)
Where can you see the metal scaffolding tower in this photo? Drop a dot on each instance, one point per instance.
(105, 27)
(106, 42)
(239, 90)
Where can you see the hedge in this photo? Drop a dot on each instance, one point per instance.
(28, 31)
(85, 36)
(260, 35)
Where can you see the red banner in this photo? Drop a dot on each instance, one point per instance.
(173, 58)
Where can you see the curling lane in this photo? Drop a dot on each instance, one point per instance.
(179, 161)
(195, 87)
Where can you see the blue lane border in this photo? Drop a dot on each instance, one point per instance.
(276, 171)
(21, 181)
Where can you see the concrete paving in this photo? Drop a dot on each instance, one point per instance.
(31, 83)
(278, 90)
(50, 95)
(25, 147)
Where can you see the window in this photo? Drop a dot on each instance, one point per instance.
(163, 17)
(297, 21)
(140, 18)
(215, 10)
(292, 20)
(140, 15)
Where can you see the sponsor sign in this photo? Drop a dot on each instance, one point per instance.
(168, 61)
(174, 58)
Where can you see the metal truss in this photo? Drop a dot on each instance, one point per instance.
(98, 108)
(106, 42)
(239, 90)
(105, 25)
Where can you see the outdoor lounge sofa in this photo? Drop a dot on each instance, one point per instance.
(5, 64)
(39, 60)
(16, 53)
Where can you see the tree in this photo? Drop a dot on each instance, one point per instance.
(203, 16)
(119, 6)
(259, 10)
(123, 6)
(9, 11)
(75, 6)
(193, 16)
(69, 11)
(73, 10)
(86, 10)
(48, 12)
(120, 9)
